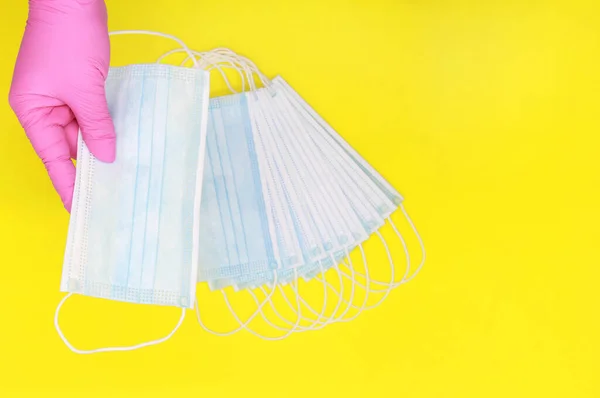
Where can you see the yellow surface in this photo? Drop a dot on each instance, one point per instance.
(484, 114)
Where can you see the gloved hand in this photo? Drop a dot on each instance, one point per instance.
(58, 85)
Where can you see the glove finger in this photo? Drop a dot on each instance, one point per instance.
(72, 133)
(91, 111)
(52, 147)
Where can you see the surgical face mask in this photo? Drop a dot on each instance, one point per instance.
(134, 226)
(239, 221)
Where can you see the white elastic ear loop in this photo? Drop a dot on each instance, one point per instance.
(367, 291)
(321, 319)
(247, 62)
(152, 33)
(352, 290)
(211, 60)
(245, 73)
(245, 325)
(423, 253)
(242, 326)
(244, 60)
(333, 318)
(318, 324)
(244, 64)
(109, 349)
(204, 65)
(300, 328)
(405, 278)
(392, 283)
(217, 66)
(390, 286)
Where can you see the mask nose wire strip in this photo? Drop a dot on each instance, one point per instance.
(109, 349)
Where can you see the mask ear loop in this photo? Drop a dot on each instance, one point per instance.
(423, 253)
(245, 324)
(109, 349)
(241, 60)
(392, 269)
(353, 289)
(392, 285)
(367, 291)
(160, 34)
(350, 301)
(226, 55)
(366, 286)
(387, 291)
(321, 319)
(278, 314)
(405, 278)
(244, 60)
(300, 328)
(193, 55)
(333, 318)
(209, 64)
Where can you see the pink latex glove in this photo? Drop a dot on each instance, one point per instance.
(58, 85)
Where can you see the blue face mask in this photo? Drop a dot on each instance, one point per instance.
(131, 229)
(134, 225)
(237, 233)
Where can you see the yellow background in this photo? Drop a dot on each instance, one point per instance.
(484, 114)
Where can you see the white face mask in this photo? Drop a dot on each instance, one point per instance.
(237, 232)
(134, 227)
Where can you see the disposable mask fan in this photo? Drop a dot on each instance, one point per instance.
(380, 200)
(225, 204)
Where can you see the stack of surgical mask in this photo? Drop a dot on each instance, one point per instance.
(252, 192)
